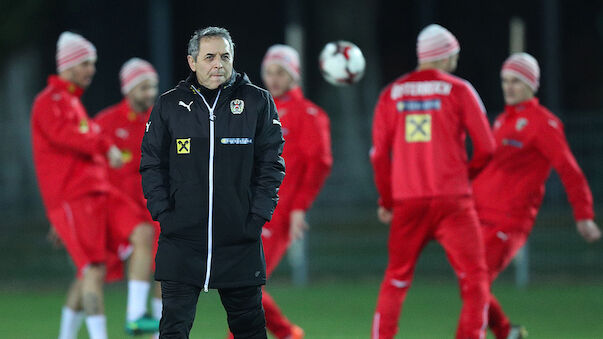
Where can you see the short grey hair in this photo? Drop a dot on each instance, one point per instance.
(208, 32)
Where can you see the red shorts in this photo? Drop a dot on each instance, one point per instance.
(82, 226)
(95, 228)
(124, 216)
(501, 244)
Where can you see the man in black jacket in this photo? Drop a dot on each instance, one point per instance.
(211, 167)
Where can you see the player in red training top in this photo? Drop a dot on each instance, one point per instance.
(125, 124)
(509, 191)
(422, 175)
(308, 158)
(70, 157)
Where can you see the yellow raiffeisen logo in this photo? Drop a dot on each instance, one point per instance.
(418, 127)
(126, 156)
(83, 126)
(183, 146)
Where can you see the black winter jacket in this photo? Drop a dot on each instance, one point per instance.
(212, 198)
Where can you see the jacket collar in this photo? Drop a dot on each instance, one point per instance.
(235, 79)
(522, 106)
(130, 114)
(295, 93)
(64, 85)
(433, 72)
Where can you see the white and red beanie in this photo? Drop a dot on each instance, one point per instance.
(435, 43)
(73, 49)
(523, 66)
(135, 71)
(286, 57)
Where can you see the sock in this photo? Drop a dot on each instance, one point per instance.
(138, 292)
(157, 306)
(70, 323)
(97, 326)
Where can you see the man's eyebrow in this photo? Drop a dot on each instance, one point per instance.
(213, 54)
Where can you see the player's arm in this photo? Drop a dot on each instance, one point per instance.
(269, 166)
(69, 133)
(103, 119)
(380, 154)
(552, 143)
(476, 122)
(317, 158)
(154, 163)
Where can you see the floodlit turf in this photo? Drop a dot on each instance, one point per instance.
(340, 309)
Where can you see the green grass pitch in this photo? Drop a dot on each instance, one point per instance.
(333, 309)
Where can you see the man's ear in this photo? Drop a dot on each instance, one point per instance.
(191, 63)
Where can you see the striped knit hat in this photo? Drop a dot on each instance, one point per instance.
(435, 43)
(523, 66)
(135, 71)
(73, 49)
(286, 57)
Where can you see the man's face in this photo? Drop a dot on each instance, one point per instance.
(143, 96)
(213, 66)
(515, 91)
(453, 62)
(81, 74)
(277, 80)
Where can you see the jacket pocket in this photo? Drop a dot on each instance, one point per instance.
(190, 211)
(164, 222)
(253, 227)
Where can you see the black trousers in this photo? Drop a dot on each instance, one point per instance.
(243, 306)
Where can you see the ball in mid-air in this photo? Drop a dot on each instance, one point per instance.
(342, 63)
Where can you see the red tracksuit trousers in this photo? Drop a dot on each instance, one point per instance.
(275, 239)
(452, 222)
(502, 243)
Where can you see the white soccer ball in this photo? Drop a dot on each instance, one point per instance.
(341, 63)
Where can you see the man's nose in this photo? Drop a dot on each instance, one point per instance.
(218, 63)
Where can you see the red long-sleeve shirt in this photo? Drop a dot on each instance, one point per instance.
(307, 150)
(530, 140)
(68, 149)
(419, 132)
(125, 128)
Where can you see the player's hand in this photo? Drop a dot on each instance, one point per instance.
(384, 215)
(53, 238)
(297, 224)
(114, 156)
(588, 230)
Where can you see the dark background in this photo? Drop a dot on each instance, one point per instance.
(565, 36)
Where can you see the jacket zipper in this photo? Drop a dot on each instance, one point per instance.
(211, 185)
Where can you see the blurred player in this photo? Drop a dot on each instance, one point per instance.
(508, 192)
(124, 123)
(308, 159)
(70, 156)
(422, 176)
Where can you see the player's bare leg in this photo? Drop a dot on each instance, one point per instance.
(74, 296)
(72, 315)
(139, 267)
(139, 273)
(92, 300)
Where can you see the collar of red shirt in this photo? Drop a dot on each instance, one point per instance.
(293, 94)
(62, 84)
(522, 105)
(131, 115)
